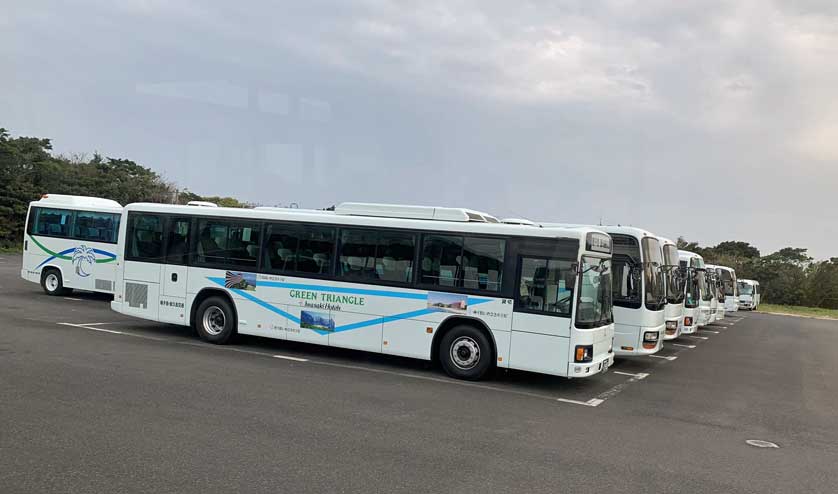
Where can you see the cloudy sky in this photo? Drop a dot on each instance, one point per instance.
(712, 120)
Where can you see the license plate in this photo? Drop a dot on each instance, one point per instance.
(604, 365)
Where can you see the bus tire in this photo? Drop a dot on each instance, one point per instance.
(53, 283)
(215, 320)
(465, 353)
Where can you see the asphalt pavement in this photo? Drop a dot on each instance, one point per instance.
(93, 401)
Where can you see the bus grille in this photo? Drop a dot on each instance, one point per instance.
(104, 285)
(136, 295)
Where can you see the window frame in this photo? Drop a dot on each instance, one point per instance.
(129, 229)
(507, 255)
(193, 253)
(266, 226)
(71, 224)
(516, 307)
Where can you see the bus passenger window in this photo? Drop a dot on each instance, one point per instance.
(145, 237)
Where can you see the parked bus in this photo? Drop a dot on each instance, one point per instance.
(442, 284)
(729, 287)
(70, 243)
(639, 295)
(717, 303)
(749, 294)
(674, 282)
(696, 308)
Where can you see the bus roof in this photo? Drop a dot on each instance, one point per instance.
(638, 233)
(329, 217)
(76, 202)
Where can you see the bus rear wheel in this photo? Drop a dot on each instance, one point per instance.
(215, 320)
(465, 353)
(53, 283)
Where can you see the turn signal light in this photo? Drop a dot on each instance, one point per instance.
(584, 353)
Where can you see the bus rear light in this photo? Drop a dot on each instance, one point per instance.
(584, 353)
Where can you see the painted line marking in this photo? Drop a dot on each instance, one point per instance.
(74, 299)
(295, 359)
(638, 376)
(685, 346)
(670, 357)
(593, 402)
(698, 337)
(709, 331)
(103, 330)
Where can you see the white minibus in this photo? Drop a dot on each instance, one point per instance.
(749, 294)
(70, 243)
(433, 283)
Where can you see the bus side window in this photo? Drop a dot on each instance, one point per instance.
(441, 257)
(96, 227)
(53, 222)
(145, 237)
(177, 240)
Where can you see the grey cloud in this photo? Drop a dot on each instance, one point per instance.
(710, 120)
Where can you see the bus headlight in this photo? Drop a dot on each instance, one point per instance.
(671, 327)
(584, 353)
(650, 340)
(688, 321)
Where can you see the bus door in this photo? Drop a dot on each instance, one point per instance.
(143, 265)
(541, 318)
(174, 273)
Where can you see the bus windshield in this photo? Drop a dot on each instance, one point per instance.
(728, 282)
(704, 283)
(691, 290)
(593, 307)
(652, 274)
(674, 287)
(746, 289)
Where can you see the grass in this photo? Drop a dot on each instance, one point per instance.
(10, 250)
(796, 310)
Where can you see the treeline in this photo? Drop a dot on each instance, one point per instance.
(28, 169)
(789, 276)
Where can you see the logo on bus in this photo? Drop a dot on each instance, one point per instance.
(83, 259)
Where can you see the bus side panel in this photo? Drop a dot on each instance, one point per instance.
(539, 353)
(362, 331)
(141, 290)
(408, 338)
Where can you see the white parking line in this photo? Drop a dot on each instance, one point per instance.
(671, 357)
(638, 376)
(295, 359)
(698, 337)
(685, 346)
(92, 329)
(593, 402)
(709, 331)
(73, 299)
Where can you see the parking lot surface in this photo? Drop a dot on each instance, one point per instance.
(92, 401)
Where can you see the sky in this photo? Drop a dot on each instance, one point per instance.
(704, 119)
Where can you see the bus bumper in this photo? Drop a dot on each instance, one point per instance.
(673, 328)
(630, 340)
(599, 365)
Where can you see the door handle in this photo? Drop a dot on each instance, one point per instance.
(174, 277)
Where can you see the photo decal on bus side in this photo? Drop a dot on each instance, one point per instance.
(320, 321)
(448, 302)
(240, 281)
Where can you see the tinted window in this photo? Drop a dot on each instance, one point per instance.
(96, 227)
(305, 250)
(627, 272)
(177, 240)
(546, 285)
(227, 244)
(145, 237)
(466, 262)
(51, 222)
(372, 255)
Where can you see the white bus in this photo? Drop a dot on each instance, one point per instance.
(674, 282)
(717, 302)
(748, 294)
(431, 283)
(696, 308)
(70, 243)
(639, 295)
(729, 287)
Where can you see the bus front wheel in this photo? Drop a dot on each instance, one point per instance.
(465, 353)
(215, 320)
(53, 283)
